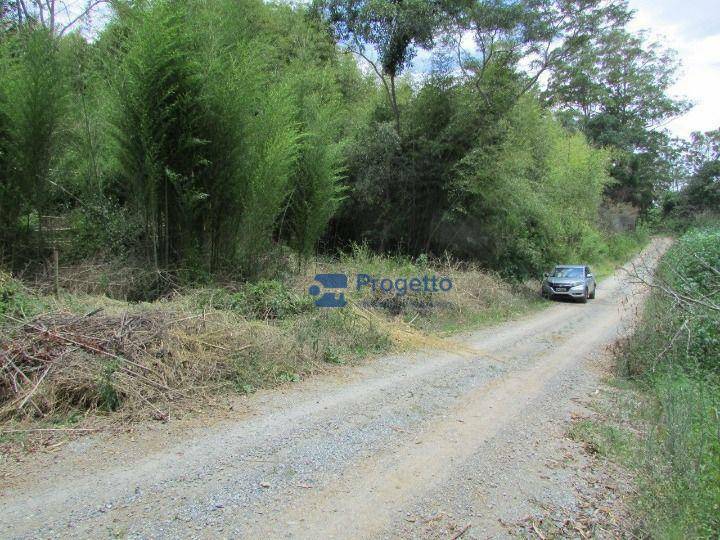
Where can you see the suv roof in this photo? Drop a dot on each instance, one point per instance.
(569, 266)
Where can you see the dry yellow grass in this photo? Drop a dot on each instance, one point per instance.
(147, 359)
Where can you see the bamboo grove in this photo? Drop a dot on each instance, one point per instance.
(234, 136)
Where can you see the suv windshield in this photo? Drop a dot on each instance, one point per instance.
(567, 272)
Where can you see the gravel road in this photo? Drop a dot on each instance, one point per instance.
(426, 445)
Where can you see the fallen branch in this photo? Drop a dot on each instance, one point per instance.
(32, 430)
(79, 344)
(29, 395)
(462, 531)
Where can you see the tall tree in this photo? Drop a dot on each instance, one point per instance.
(391, 30)
(702, 148)
(702, 159)
(57, 16)
(529, 36)
(34, 106)
(616, 91)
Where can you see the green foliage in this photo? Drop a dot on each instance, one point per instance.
(675, 355)
(693, 261)
(699, 198)
(622, 246)
(39, 89)
(602, 439)
(393, 30)
(103, 229)
(268, 185)
(316, 193)
(87, 161)
(163, 149)
(227, 137)
(109, 399)
(339, 336)
(269, 299)
(219, 151)
(264, 299)
(17, 301)
(32, 106)
(509, 188)
(680, 470)
(615, 89)
(703, 189)
(316, 186)
(285, 352)
(685, 336)
(534, 196)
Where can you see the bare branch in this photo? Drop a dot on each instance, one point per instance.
(91, 5)
(390, 91)
(23, 6)
(683, 300)
(706, 264)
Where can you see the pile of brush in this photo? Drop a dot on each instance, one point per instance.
(60, 362)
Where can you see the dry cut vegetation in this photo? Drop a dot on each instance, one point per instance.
(83, 355)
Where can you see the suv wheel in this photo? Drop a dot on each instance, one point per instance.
(584, 298)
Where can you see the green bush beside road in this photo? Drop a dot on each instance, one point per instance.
(674, 357)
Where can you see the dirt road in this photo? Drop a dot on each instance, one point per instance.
(433, 444)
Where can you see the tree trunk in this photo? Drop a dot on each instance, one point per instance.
(394, 104)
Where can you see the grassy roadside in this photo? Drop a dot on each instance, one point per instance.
(620, 249)
(664, 422)
(84, 356)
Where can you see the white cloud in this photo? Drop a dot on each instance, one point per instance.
(693, 30)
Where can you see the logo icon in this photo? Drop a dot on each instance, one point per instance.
(329, 281)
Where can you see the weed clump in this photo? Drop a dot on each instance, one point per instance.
(15, 299)
(262, 300)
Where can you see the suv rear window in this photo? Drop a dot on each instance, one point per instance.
(567, 273)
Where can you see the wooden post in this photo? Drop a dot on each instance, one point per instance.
(56, 269)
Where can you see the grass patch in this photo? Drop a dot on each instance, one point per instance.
(674, 360)
(680, 467)
(17, 300)
(477, 297)
(602, 439)
(620, 248)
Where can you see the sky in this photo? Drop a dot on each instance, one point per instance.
(692, 28)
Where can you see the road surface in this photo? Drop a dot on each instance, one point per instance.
(427, 445)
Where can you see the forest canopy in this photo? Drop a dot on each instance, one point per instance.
(224, 136)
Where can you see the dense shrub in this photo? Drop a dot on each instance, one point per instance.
(535, 196)
(680, 481)
(683, 328)
(195, 121)
(675, 355)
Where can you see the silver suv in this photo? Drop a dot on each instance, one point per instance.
(569, 281)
